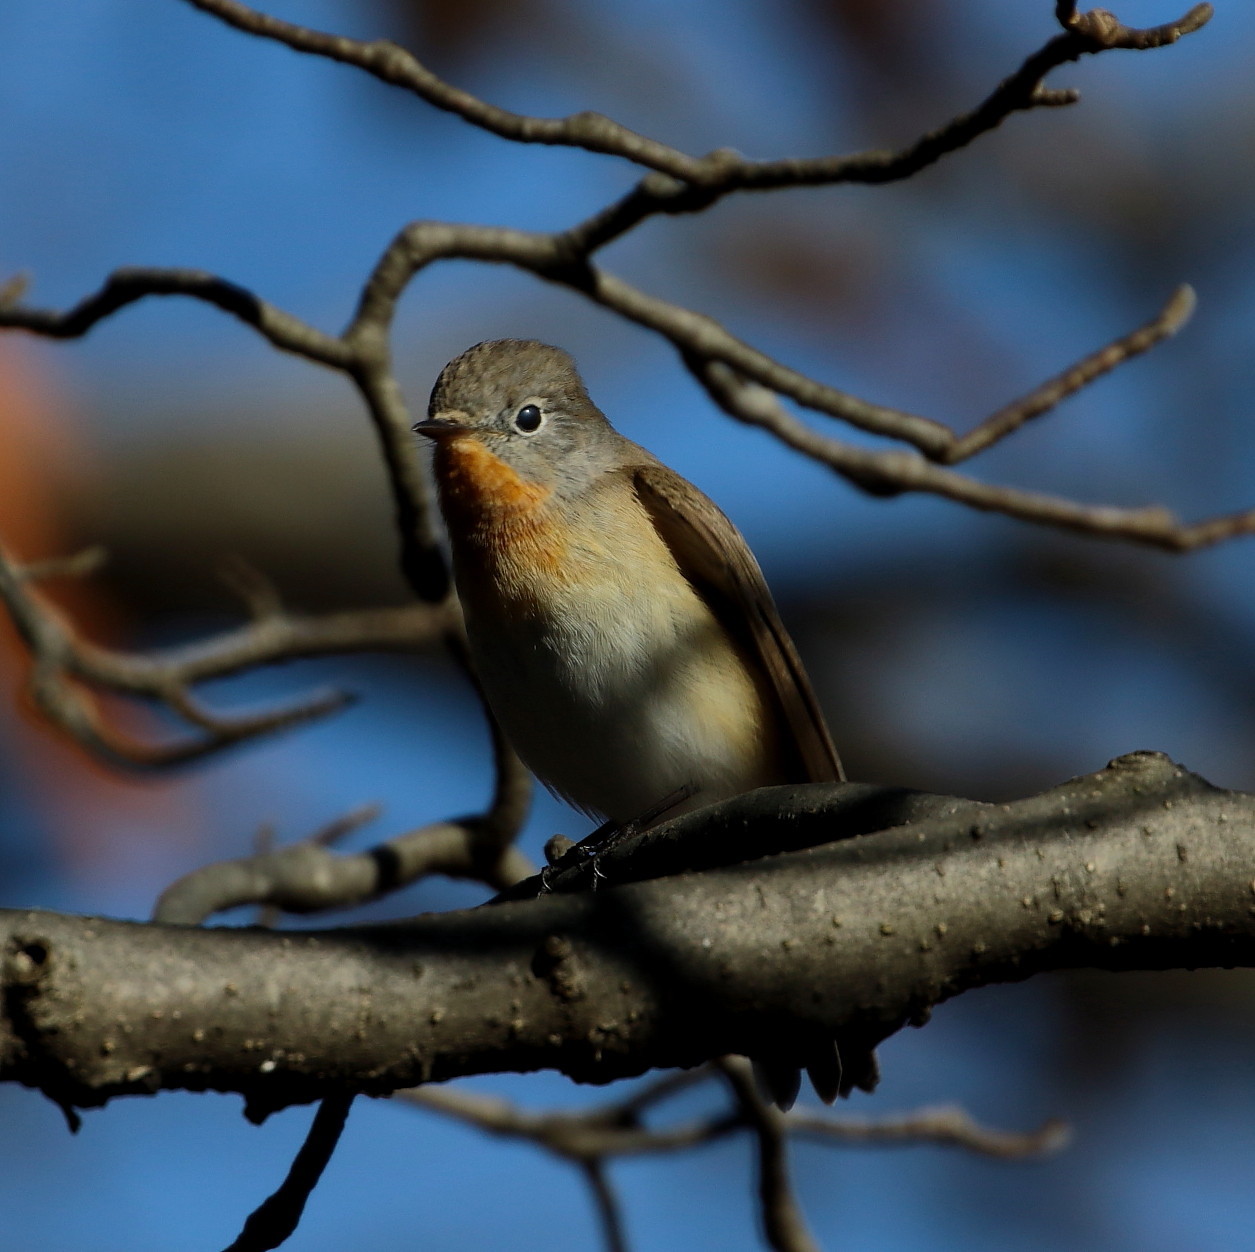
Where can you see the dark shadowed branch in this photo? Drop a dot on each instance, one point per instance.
(275, 1219)
(1141, 866)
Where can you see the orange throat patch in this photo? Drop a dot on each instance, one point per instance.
(474, 480)
(495, 517)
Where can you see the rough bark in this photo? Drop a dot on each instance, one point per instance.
(1140, 866)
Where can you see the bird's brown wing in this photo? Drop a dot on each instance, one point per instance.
(712, 554)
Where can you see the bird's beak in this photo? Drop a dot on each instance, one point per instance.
(442, 425)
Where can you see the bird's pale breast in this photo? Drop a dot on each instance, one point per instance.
(613, 679)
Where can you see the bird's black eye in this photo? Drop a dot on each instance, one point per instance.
(528, 419)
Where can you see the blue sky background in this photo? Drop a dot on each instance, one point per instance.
(141, 132)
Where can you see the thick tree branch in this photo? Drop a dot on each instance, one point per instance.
(1141, 866)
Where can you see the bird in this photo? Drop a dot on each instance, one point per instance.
(619, 626)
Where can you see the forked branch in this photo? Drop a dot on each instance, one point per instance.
(66, 667)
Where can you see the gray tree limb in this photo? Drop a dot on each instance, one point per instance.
(1140, 866)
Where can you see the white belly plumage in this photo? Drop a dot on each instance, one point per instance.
(617, 696)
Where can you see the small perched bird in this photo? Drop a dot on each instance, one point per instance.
(618, 622)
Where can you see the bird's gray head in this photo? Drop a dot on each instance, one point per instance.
(526, 403)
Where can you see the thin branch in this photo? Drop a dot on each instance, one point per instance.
(1042, 399)
(392, 64)
(608, 1207)
(420, 244)
(894, 471)
(264, 845)
(365, 359)
(702, 340)
(615, 1129)
(680, 183)
(714, 354)
(422, 560)
(310, 877)
(133, 283)
(307, 878)
(688, 183)
(725, 171)
(722, 363)
(589, 1135)
(948, 1126)
(1103, 30)
(277, 1217)
(782, 1220)
(62, 661)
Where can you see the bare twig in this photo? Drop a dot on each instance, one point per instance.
(126, 286)
(723, 363)
(608, 1208)
(1042, 399)
(782, 1219)
(612, 1129)
(63, 661)
(365, 359)
(585, 1139)
(392, 64)
(681, 183)
(950, 1126)
(422, 561)
(309, 877)
(420, 244)
(894, 471)
(1101, 30)
(745, 381)
(615, 1129)
(277, 1217)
